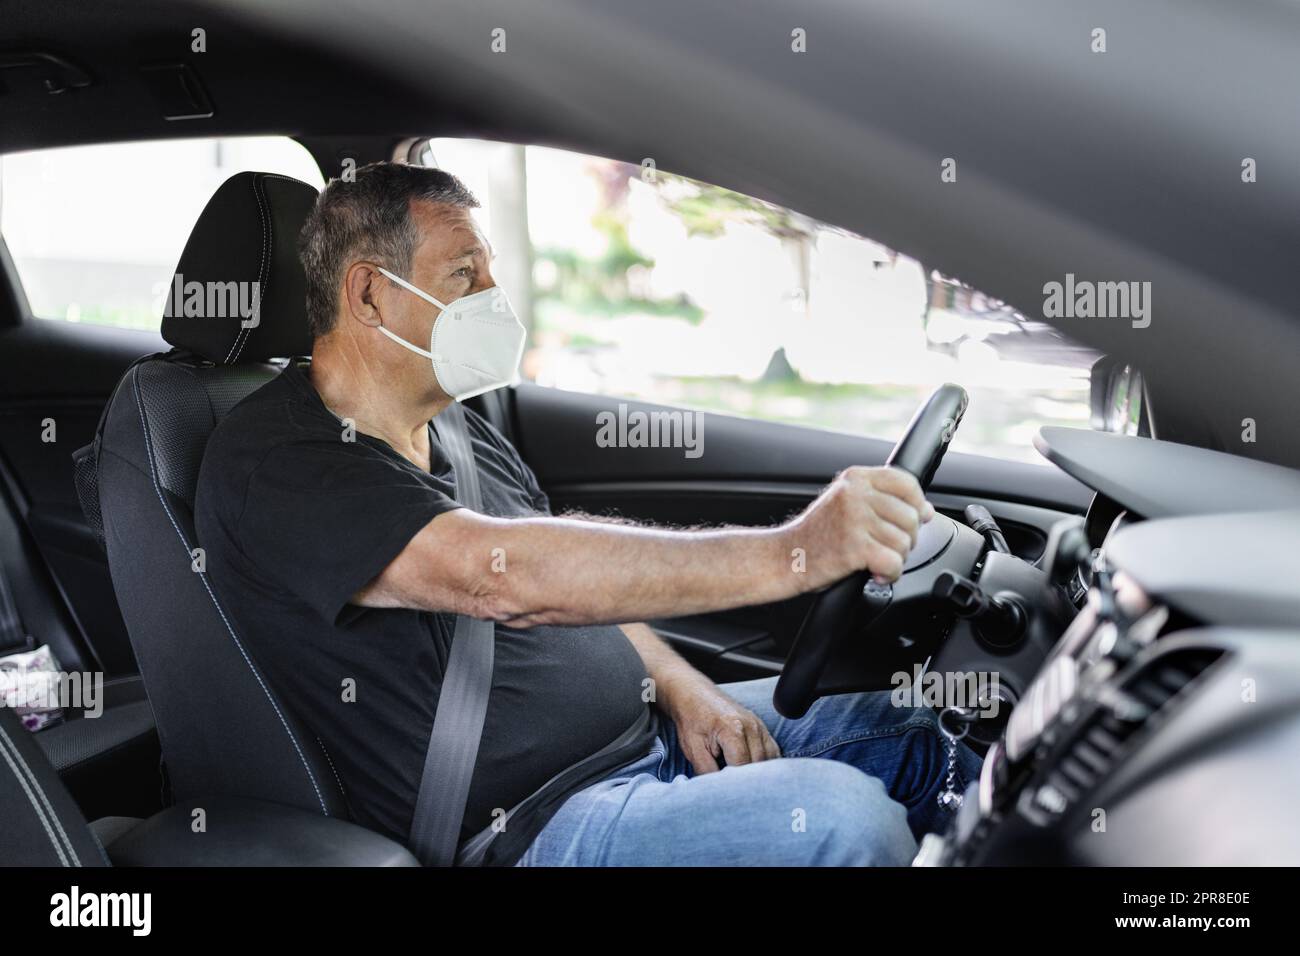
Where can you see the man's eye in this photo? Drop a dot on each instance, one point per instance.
(464, 272)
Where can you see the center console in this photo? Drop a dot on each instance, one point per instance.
(1115, 675)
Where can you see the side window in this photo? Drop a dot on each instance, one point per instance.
(643, 284)
(95, 231)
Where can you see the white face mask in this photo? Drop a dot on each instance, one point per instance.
(476, 342)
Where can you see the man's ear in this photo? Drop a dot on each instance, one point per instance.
(363, 284)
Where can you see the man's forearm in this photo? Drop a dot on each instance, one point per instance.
(544, 570)
(567, 571)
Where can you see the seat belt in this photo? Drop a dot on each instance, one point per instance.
(475, 849)
(13, 636)
(466, 684)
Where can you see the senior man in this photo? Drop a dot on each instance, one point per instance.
(328, 509)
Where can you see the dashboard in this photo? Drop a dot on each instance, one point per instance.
(1163, 725)
(1161, 479)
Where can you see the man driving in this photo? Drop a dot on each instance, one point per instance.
(328, 508)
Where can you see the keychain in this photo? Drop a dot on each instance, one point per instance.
(949, 798)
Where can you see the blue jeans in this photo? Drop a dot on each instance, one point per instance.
(857, 784)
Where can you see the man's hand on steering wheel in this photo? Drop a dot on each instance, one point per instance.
(865, 523)
(866, 519)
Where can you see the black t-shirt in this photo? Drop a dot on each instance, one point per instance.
(295, 519)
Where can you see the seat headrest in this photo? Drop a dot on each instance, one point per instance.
(239, 294)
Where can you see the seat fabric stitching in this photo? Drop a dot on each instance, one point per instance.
(215, 603)
(245, 332)
(7, 747)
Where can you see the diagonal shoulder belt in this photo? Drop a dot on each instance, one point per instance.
(466, 684)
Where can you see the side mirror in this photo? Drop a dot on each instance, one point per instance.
(1119, 398)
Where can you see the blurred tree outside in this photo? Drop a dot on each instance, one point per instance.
(706, 210)
(608, 284)
(508, 199)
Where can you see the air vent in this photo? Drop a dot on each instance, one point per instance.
(1129, 709)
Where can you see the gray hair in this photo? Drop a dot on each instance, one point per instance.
(367, 218)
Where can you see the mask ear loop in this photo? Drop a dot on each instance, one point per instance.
(423, 295)
(410, 288)
(405, 344)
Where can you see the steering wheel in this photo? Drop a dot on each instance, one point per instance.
(848, 606)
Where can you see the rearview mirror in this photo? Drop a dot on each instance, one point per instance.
(1119, 398)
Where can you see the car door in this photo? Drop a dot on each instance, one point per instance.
(54, 380)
